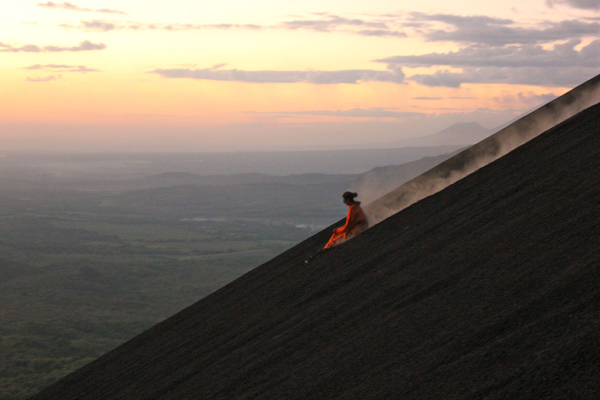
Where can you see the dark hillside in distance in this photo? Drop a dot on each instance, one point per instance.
(293, 199)
(487, 289)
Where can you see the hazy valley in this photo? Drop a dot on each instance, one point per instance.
(95, 249)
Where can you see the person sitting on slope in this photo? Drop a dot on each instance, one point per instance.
(356, 222)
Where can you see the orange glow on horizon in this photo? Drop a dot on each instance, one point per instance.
(56, 70)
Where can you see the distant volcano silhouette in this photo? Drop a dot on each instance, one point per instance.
(488, 289)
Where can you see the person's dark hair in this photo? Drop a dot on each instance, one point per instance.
(349, 195)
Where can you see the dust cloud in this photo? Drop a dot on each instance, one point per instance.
(486, 151)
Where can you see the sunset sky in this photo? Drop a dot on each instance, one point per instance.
(183, 75)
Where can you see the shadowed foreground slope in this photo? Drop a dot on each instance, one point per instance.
(487, 289)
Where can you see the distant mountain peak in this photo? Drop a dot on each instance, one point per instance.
(461, 127)
(458, 134)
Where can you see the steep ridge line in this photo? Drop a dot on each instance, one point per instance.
(487, 289)
(486, 151)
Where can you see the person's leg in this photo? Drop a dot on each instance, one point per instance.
(333, 241)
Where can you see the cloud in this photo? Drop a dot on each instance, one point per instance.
(533, 76)
(375, 112)
(72, 7)
(61, 68)
(528, 99)
(559, 66)
(109, 11)
(98, 25)
(582, 4)
(459, 21)
(485, 30)
(28, 48)
(476, 29)
(324, 23)
(106, 26)
(427, 98)
(86, 45)
(44, 79)
(442, 78)
(337, 24)
(561, 55)
(329, 22)
(62, 6)
(381, 33)
(351, 76)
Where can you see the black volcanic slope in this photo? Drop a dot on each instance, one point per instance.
(487, 289)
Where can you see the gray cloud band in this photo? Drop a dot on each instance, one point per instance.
(43, 79)
(332, 22)
(498, 32)
(104, 26)
(582, 4)
(528, 65)
(351, 76)
(531, 76)
(562, 55)
(86, 45)
(478, 29)
(327, 23)
(72, 7)
(61, 68)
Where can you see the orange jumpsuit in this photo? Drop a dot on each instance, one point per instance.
(356, 222)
